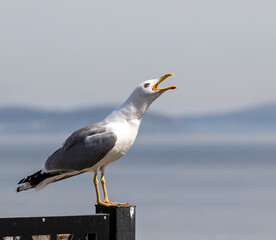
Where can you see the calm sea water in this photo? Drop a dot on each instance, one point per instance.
(184, 191)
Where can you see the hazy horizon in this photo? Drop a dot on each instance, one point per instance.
(152, 110)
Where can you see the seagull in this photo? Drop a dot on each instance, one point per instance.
(92, 148)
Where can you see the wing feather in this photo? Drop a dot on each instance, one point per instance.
(81, 151)
(81, 134)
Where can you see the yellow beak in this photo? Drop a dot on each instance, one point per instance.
(155, 86)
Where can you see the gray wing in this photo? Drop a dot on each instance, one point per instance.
(84, 153)
(81, 134)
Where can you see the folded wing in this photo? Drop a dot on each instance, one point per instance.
(81, 150)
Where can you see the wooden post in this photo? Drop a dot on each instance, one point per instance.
(122, 221)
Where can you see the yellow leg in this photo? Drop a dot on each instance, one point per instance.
(106, 201)
(95, 180)
(104, 189)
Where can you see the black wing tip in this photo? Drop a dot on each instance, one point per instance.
(21, 181)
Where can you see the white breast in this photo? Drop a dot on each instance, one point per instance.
(126, 133)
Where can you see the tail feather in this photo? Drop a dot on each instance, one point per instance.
(35, 179)
(23, 187)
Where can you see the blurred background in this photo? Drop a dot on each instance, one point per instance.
(203, 165)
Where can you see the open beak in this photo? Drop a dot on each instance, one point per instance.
(155, 86)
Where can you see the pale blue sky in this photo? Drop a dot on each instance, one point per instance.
(69, 54)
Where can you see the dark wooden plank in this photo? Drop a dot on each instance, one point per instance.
(122, 221)
(79, 225)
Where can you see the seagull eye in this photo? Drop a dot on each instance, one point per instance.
(147, 85)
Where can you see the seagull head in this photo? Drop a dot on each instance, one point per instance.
(140, 99)
(150, 89)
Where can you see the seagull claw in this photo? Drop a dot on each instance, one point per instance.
(111, 204)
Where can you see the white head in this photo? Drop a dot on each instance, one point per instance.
(140, 99)
(149, 90)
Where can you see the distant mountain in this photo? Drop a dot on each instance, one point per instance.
(17, 120)
(259, 118)
(22, 120)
